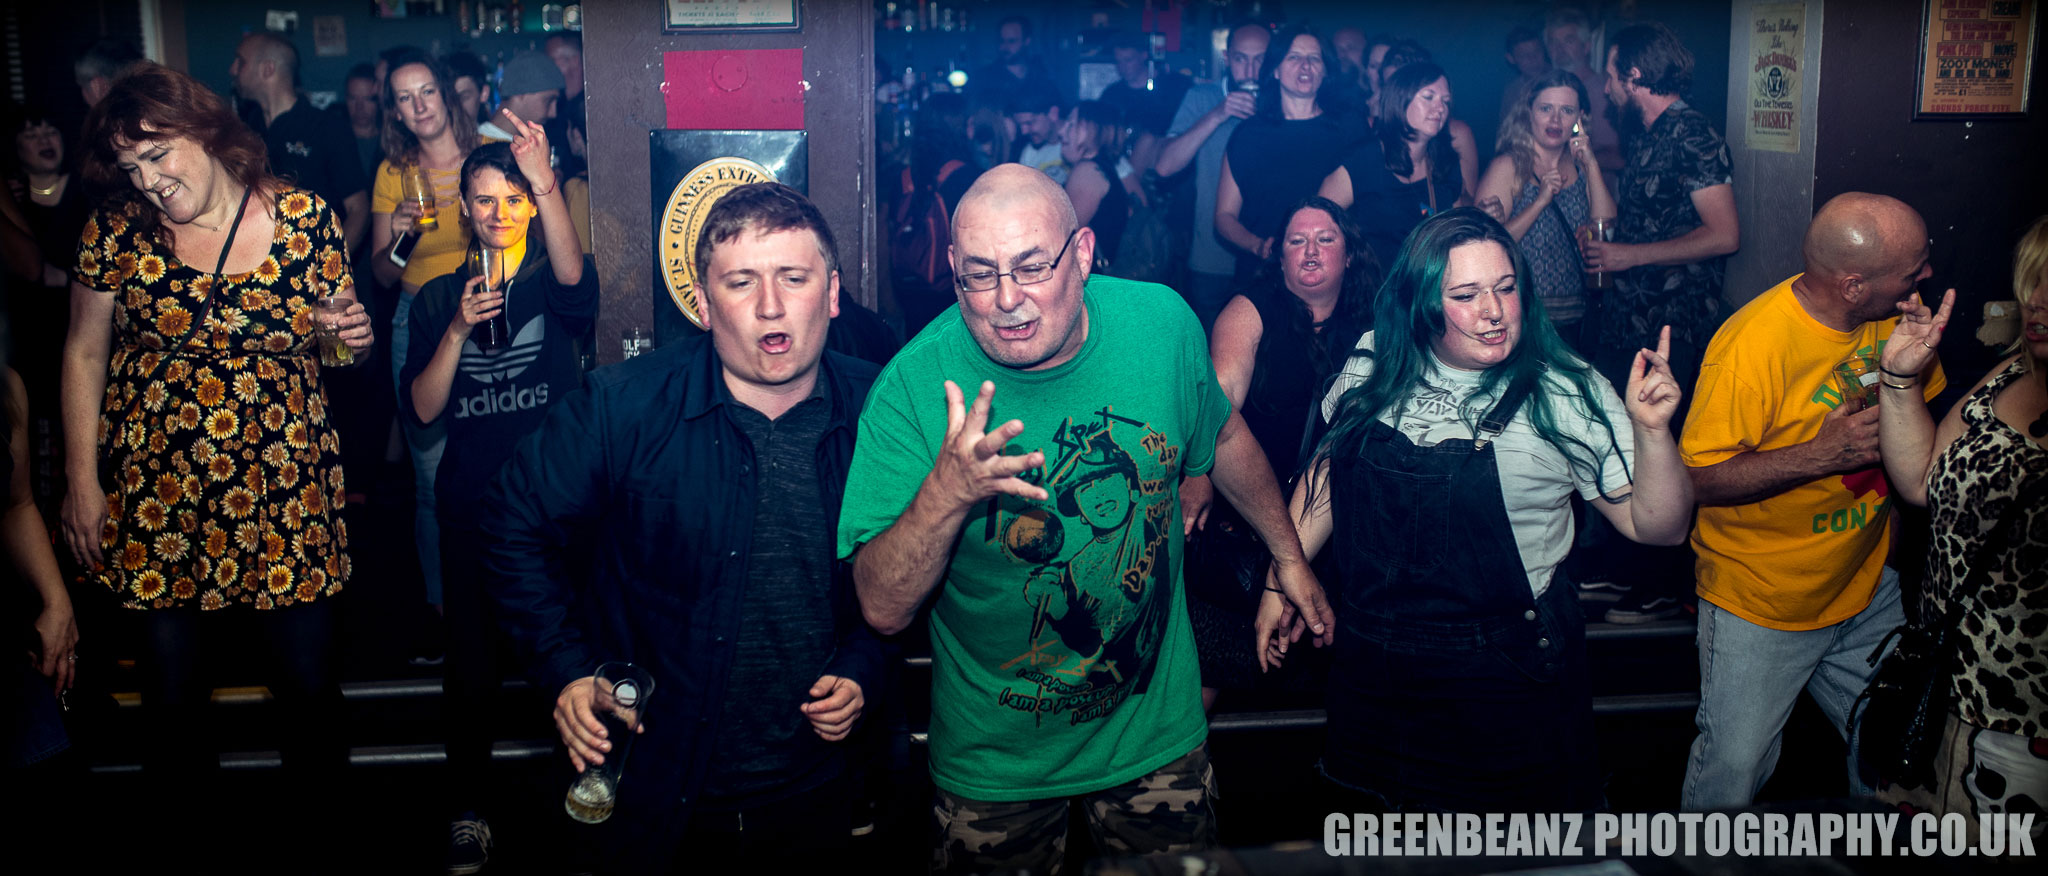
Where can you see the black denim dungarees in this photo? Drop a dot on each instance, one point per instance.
(1452, 689)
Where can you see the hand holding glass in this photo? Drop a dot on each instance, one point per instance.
(327, 314)
(489, 263)
(1601, 230)
(1856, 377)
(620, 702)
(413, 186)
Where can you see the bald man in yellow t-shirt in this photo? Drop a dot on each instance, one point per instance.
(1794, 526)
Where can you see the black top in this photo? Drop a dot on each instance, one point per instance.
(497, 397)
(1290, 374)
(993, 85)
(56, 226)
(1278, 162)
(1112, 214)
(1151, 110)
(764, 748)
(1387, 208)
(316, 151)
(369, 151)
(641, 471)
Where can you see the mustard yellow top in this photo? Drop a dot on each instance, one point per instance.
(440, 251)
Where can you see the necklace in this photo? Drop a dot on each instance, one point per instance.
(216, 226)
(49, 191)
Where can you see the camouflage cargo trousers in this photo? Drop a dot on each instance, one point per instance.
(1170, 809)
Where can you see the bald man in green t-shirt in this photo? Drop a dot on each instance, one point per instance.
(1063, 665)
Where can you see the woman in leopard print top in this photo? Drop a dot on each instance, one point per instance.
(1982, 475)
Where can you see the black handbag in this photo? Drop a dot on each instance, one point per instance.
(1900, 715)
(1225, 563)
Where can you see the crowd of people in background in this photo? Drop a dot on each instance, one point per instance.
(1276, 381)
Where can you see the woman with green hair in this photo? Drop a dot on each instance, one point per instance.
(1459, 430)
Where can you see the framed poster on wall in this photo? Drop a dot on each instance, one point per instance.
(702, 16)
(1976, 57)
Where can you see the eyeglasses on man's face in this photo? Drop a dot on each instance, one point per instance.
(1025, 275)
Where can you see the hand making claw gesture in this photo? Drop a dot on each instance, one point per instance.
(1912, 344)
(971, 467)
(1653, 394)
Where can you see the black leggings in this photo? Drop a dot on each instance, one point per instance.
(297, 653)
(473, 672)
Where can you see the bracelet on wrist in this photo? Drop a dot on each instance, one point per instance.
(1272, 589)
(550, 190)
(1896, 374)
(1890, 385)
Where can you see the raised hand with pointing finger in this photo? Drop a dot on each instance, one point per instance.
(1653, 394)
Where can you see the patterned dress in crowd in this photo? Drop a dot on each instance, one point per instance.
(1987, 561)
(222, 472)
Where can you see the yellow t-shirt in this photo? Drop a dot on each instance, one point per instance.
(576, 191)
(1809, 557)
(439, 251)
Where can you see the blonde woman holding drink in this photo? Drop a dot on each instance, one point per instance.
(1543, 186)
(410, 243)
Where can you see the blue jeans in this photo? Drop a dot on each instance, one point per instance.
(1750, 676)
(425, 446)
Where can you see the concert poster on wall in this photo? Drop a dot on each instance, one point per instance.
(1976, 57)
(689, 171)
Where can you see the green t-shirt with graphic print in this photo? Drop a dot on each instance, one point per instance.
(1062, 659)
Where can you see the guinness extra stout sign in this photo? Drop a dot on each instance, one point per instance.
(683, 219)
(688, 172)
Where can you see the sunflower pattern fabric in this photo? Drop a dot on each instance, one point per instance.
(222, 472)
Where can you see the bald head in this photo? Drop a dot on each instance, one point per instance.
(1864, 254)
(1861, 233)
(266, 46)
(1014, 189)
(1014, 219)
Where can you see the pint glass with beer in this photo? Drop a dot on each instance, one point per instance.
(414, 186)
(621, 701)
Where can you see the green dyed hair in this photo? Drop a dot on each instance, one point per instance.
(1408, 315)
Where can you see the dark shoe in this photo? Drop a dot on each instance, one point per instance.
(469, 844)
(1643, 607)
(863, 818)
(1602, 590)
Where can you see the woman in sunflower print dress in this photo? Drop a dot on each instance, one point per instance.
(205, 479)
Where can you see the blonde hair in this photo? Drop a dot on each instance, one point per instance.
(2029, 269)
(1517, 138)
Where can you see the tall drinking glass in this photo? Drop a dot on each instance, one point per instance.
(1592, 230)
(413, 186)
(622, 694)
(489, 263)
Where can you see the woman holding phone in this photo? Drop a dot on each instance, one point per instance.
(425, 139)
